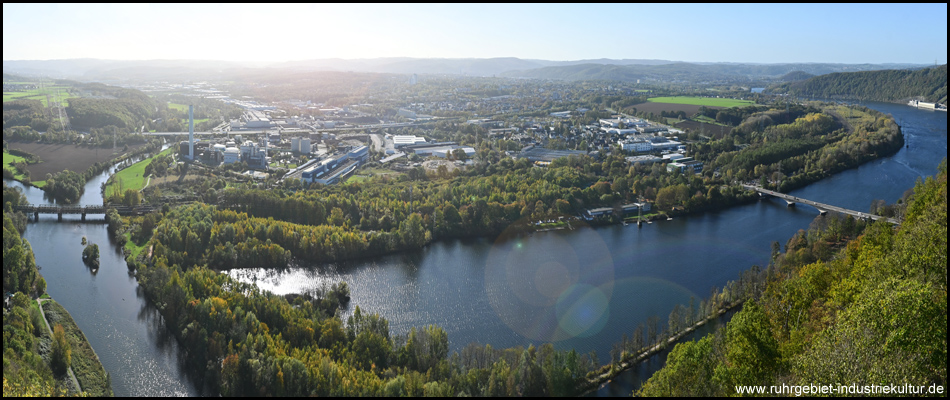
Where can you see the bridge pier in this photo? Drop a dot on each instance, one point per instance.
(36, 216)
(790, 203)
(60, 214)
(84, 217)
(822, 212)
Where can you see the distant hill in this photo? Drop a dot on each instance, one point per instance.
(593, 69)
(14, 78)
(796, 76)
(927, 84)
(467, 66)
(693, 72)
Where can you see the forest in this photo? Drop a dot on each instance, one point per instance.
(873, 312)
(896, 85)
(27, 371)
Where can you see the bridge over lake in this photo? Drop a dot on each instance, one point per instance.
(83, 210)
(822, 207)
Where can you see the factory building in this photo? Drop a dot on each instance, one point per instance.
(546, 155)
(300, 145)
(695, 166)
(438, 149)
(407, 140)
(334, 168)
(255, 156)
(635, 145)
(232, 155)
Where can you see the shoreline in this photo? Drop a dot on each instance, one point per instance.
(604, 378)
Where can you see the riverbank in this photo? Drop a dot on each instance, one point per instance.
(59, 163)
(608, 372)
(85, 370)
(72, 383)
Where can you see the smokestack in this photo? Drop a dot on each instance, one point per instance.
(191, 132)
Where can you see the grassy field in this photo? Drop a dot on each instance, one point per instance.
(701, 101)
(133, 249)
(179, 107)
(356, 178)
(89, 371)
(8, 160)
(705, 119)
(39, 94)
(132, 177)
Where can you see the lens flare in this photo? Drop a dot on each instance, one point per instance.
(582, 310)
(547, 288)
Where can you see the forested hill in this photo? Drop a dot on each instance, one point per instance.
(928, 84)
(872, 313)
(692, 72)
(103, 105)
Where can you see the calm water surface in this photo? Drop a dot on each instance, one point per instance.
(580, 289)
(126, 332)
(583, 289)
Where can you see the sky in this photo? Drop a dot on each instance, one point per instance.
(748, 33)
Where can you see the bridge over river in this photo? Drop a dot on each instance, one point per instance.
(93, 209)
(822, 207)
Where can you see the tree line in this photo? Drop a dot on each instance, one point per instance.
(871, 312)
(929, 84)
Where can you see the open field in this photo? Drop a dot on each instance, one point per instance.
(179, 107)
(656, 108)
(715, 131)
(172, 178)
(701, 101)
(133, 176)
(57, 157)
(197, 121)
(39, 94)
(366, 173)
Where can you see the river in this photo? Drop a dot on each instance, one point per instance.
(580, 289)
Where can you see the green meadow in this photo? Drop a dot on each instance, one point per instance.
(132, 177)
(701, 101)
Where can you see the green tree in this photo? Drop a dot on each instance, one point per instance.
(751, 353)
(61, 356)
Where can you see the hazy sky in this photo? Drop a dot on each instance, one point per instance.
(763, 33)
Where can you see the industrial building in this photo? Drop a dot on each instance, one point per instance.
(254, 119)
(231, 155)
(254, 155)
(407, 140)
(626, 209)
(438, 149)
(661, 143)
(643, 159)
(636, 144)
(300, 145)
(533, 153)
(695, 166)
(332, 169)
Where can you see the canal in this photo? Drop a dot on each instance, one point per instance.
(581, 289)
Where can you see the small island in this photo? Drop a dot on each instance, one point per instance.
(90, 255)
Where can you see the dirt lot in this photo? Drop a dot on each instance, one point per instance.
(433, 165)
(656, 108)
(714, 131)
(57, 157)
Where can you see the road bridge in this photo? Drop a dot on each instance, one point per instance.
(36, 210)
(822, 207)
